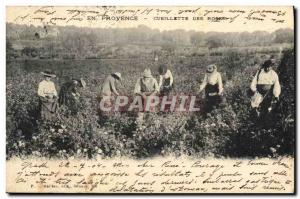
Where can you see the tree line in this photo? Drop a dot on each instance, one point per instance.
(142, 34)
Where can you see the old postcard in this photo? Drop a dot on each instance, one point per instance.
(165, 99)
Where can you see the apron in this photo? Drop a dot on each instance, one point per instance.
(212, 98)
(147, 86)
(263, 89)
(166, 88)
(211, 90)
(48, 108)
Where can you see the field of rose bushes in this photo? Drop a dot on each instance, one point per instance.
(226, 132)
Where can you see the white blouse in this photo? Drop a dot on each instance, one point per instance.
(269, 78)
(46, 88)
(213, 79)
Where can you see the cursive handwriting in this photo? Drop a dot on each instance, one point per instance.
(152, 176)
(52, 15)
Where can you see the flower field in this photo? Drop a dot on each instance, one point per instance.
(228, 131)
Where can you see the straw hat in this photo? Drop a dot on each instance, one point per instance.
(118, 75)
(147, 73)
(211, 68)
(80, 81)
(48, 73)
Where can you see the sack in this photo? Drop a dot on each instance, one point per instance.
(250, 93)
(256, 99)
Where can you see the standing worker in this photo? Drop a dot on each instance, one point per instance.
(145, 87)
(266, 88)
(47, 95)
(212, 83)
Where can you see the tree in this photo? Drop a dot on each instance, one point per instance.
(197, 38)
(284, 36)
(8, 44)
(214, 40)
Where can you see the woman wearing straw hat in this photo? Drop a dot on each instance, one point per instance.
(48, 95)
(213, 86)
(69, 95)
(108, 89)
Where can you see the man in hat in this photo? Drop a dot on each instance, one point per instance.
(266, 88)
(213, 86)
(69, 95)
(145, 86)
(48, 95)
(108, 90)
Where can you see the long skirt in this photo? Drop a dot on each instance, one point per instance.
(48, 109)
(212, 98)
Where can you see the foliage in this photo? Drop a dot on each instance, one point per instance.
(82, 40)
(227, 131)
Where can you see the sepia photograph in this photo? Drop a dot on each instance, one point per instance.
(150, 99)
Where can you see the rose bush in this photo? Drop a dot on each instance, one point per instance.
(228, 131)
